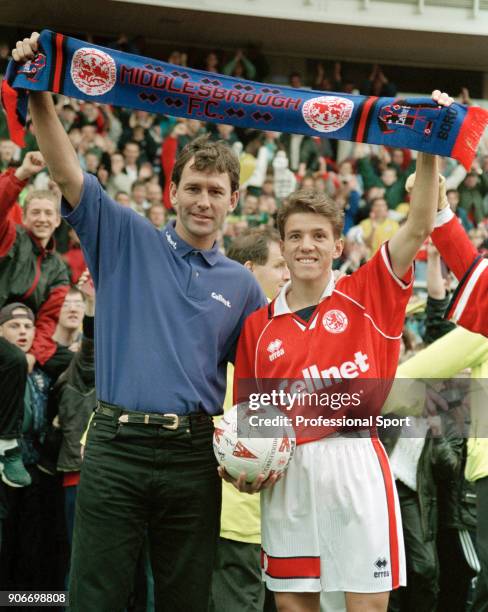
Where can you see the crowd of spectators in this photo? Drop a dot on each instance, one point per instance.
(132, 153)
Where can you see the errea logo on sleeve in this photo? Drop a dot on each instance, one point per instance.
(220, 298)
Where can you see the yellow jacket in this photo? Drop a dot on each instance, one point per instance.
(454, 352)
(241, 516)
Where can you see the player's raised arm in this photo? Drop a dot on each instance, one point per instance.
(423, 207)
(53, 141)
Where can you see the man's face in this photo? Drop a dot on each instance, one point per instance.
(224, 130)
(202, 201)
(92, 162)
(88, 133)
(72, 312)
(389, 176)
(157, 215)
(397, 157)
(19, 331)
(154, 194)
(453, 199)
(250, 206)
(117, 163)
(274, 273)
(309, 246)
(139, 194)
(375, 192)
(123, 199)
(295, 80)
(471, 181)
(131, 153)
(7, 149)
(41, 219)
(379, 210)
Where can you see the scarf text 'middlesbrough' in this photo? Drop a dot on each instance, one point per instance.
(80, 70)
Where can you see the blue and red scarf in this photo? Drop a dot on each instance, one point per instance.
(80, 70)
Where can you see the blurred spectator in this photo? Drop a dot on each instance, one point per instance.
(131, 153)
(138, 196)
(178, 58)
(284, 179)
(154, 194)
(386, 175)
(240, 66)
(7, 154)
(211, 63)
(453, 199)
(378, 228)
(118, 180)
(74, 257)
(157, 215)
(4, 56)
(471, 195)
(302, 152)
(295, 80)
(377, 84)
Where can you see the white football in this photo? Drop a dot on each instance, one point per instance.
(244, 442)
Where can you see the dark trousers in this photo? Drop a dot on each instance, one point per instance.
(34, 555)
(236, 582)
(480, 601)
(13, 376)
(420, 594)
(139, 479)
(455, 573)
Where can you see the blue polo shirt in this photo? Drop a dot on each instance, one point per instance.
(168, 316)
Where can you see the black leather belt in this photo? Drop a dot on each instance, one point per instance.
(167, 420)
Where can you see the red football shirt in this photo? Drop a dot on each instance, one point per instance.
(354, 333)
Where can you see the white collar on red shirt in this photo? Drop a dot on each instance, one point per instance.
(281, 305)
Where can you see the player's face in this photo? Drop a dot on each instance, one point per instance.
(202, 201)
(274, 273)
(41, 218)
(19, 331)
(309, 246)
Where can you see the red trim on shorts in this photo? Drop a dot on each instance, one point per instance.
(283, 568)
(390, 502)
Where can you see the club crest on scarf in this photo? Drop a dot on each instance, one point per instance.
(33, 68)
(327, 113)
(93, 71)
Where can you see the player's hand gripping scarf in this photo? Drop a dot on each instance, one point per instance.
(89, 72)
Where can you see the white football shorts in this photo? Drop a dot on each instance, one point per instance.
(333, 522)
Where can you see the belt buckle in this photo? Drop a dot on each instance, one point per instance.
(175, 423)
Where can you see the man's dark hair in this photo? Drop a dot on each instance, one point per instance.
(209, 156)
(253, 245)
(315, 202)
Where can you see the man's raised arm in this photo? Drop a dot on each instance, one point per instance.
(423, 208)
(53, 141)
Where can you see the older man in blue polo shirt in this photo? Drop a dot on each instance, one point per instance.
(169, 311)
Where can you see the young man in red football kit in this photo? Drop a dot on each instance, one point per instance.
(332, 523)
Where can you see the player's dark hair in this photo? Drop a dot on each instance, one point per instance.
(253, 245)
(315, 202)
(209, 156)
